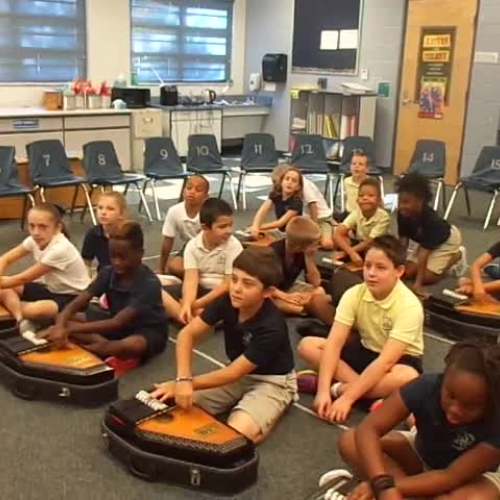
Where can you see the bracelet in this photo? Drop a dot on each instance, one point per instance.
(381, 483)
(184, 379)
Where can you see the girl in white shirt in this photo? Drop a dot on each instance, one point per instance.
(59, 274)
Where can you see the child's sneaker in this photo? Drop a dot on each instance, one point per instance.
(103, 302)
(460, 268)
(307, 381)
(122, 365)
(332, 493)
(26, 325)
(376, 405)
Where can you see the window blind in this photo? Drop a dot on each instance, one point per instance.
(42, 40)
(182, 40)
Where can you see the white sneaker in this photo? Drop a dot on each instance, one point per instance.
(460, 268)
(331, 494)
(26, 325)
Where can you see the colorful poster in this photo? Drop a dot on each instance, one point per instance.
(434, 72)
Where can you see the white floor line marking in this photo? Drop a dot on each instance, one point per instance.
(299, 406)
(151, 257)
(440, 339)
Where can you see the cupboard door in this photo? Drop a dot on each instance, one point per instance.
(19, 141)
(75, 140)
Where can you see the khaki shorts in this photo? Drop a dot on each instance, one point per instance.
(326, 227)
(492, 477)
(263, 397)
(439, 258)
(301, 287)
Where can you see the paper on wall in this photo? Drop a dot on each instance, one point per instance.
(348, 39)
(329, 40)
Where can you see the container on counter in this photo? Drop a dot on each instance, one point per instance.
(69, 102)
(52, 100)
(93, 101)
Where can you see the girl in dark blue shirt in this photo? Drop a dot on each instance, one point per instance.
(285, 197)
(455, 447)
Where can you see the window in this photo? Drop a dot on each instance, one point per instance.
(182, 40)
(42, 40)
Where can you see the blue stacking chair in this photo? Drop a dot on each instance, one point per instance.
(103, 169)
(204, 158)
(162, 162)
(429, 160)
(350, 145)
(484, 178)
(10, 186)
(50, 168)
(259, 156)
(309, 155)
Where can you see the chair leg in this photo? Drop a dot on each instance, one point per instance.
(467, 201)
(73, 201)
(452, 200)
(381, 181)
(244, 192)
(126, 189)
(23, 214)
(443, 193)
(155, 198)
(222, 181)
(42, 194)
(88, 197)
(490, 209)
(145, 203)
(181, 194)
(437, 195)
(231, 187)
(342, 193)
(238, 192)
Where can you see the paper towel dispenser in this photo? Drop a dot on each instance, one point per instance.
(274, 67)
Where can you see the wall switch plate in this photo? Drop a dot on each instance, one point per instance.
(322, 83)
(364, 74)
(486, 57)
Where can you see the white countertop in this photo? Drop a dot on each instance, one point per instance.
(22, 112)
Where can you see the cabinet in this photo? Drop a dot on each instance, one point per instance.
(333, 115)
(185, 123)
(145, 123)
(19, 132)
(78, 130)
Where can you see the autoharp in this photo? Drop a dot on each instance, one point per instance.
(192, 448)
(459, 316)
(35, 369)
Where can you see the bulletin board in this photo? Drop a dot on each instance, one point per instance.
(326, 36)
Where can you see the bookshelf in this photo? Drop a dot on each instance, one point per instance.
(333, 115)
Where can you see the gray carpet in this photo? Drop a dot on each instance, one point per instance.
(56, 452)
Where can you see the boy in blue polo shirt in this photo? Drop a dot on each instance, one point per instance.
(136, 324)
(258, 384)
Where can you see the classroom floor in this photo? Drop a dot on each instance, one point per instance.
(56, 452)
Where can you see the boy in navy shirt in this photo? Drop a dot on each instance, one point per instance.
(136, 324)
(259, 383)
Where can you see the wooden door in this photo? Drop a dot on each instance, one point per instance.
(435, 79)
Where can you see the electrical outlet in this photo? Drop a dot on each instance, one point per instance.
(364, 74)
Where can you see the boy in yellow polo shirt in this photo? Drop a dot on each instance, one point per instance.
(368, 221)
(376, 343)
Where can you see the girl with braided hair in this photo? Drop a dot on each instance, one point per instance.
(453, 452)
